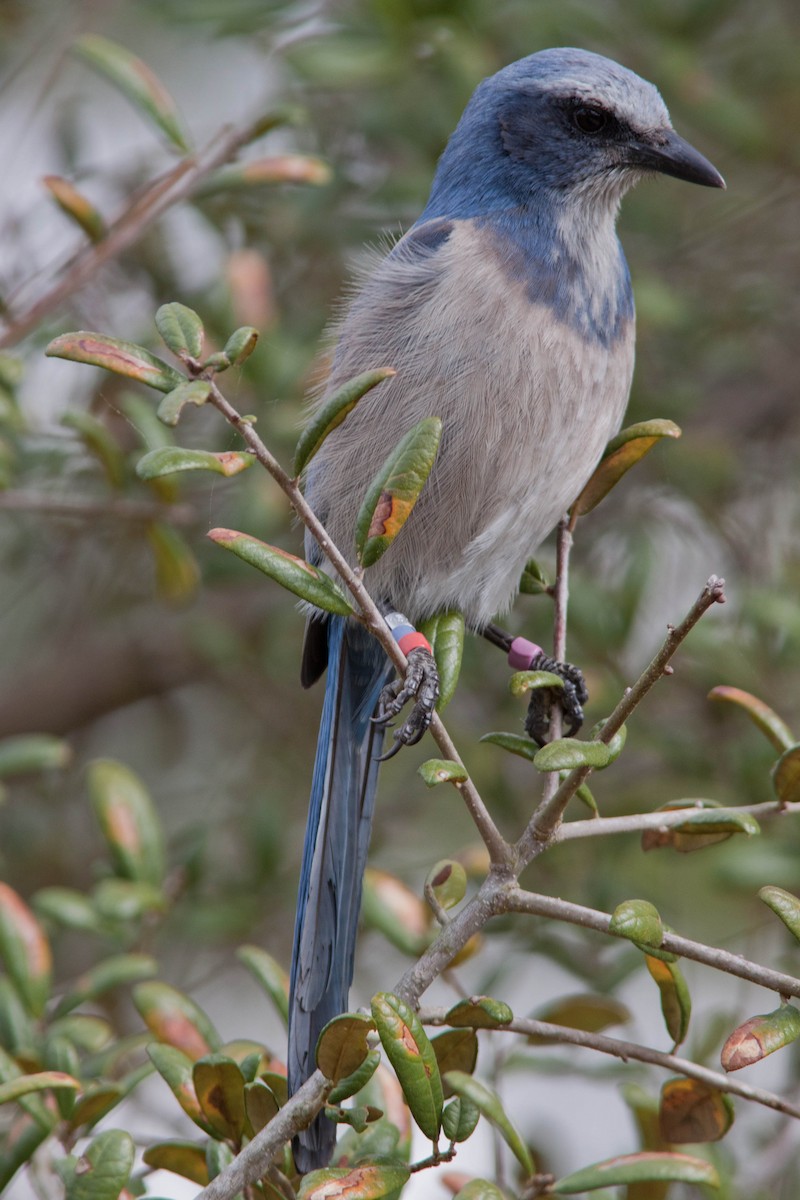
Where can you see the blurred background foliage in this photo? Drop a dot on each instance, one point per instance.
(127, 633)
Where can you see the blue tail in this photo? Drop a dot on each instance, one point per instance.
(334, 855)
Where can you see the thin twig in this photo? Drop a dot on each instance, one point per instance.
(499, 850)
(518, 900)
(80, 508)
(625, 1050)
(545, 820)
(161, 194)
(666, 819)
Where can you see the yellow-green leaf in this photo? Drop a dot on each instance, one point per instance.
(622, 453)
(637, 1168)
(353, 1083)
(268, 171)
(784, 905)
(32, 752)
(269, 974)
(459, 1119)
(592, 1013)
(168, 460)
(100, 443)
(261, 1104)
(39, 1082)
(490, 1106)
(442, 770)
(397, 912)
(102, 1171)
(522, 682)
(639, 921)
(479, 1012)
(691, 1111)
(76, 206)
(295, 574)
(25, 951)
(195, 391)
(412, 1056)
(480, 1189)
(128, 820)
(122, 358)
(117, 971)
(515, 743)
(333, 411)
(177, 572)
(182, 1158)
(786, 776)
(447, 879)
(367, 1181)
(395, 490)
(533, 581)
(676, 1003)
(136, 81)
(760, 1036)
(219, 1086)
(342, 1046)
(565, 754)
(767, 720)
(455, 1050)
(175, 1068)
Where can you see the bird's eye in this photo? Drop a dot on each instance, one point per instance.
(589, 118)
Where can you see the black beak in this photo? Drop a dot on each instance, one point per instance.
(669, 154)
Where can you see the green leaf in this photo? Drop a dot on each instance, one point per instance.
(19, 1148)
(455, 1050)
(293, 573)
(17, 1032)
(398, 913)
(490, 1106)
(479, 1189)
(639, 922)
(704, 821)
(117, 971)
(175, 1068)
(28, 753)
(240, 345)
(67, 907)
(102, 1171)
(442, 770)
(88, 1033)
(565, 754)
(61, 1056)
(41, 1081)
(261, 1105)
(784, 905)
(760, 1036)
(514, 743)
(269, 974)
(591, 1013)
(768, 721)
(127, 900)
(637, 1168)
(351, 1084)
(219, 1086)
(479, 1012)
(582, 793)
(342, 1046)
(100, 443)
(175, 1019)
(182, 1158)
(168, 460)
(447, 879)
(786, 776)
(177, 572)
(622, 453)
(218, 1156)
(95, 1103)
(333, 411)
(533, 581)
(136, 81)
(76, 206)
(522, 682)
(459, 1119)
(366, 1181)
(691, 1111)
(25, 951)
(395, 490)
(445, 632)
(121, 358)
(128, 821)
(412, 1056)
(194, 391)
(676, 1003)
(617, 743)
(181, 330)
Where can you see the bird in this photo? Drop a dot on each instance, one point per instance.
(506, 310)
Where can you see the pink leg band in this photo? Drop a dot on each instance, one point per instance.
(411, 641)
(522, 653)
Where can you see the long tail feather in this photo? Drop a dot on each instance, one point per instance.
(334, 855)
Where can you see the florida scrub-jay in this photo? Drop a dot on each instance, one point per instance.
(507, 311)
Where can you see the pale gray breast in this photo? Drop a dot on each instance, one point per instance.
(527, 404)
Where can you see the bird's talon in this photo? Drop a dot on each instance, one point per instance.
(572, 697)
(421, 685)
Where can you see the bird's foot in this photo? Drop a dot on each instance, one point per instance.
(571, 697)
(421, 684)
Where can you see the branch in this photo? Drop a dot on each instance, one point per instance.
(499, 850)
(627, 1050)
(83, 507)
(546, 819)
(517, 900)
(161, 194)
(256, 1158)
(639, 822)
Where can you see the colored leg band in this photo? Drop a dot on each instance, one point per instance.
(405, 634)
(522, 654)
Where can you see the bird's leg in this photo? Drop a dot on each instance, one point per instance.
(421, 684)
(527, 656)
